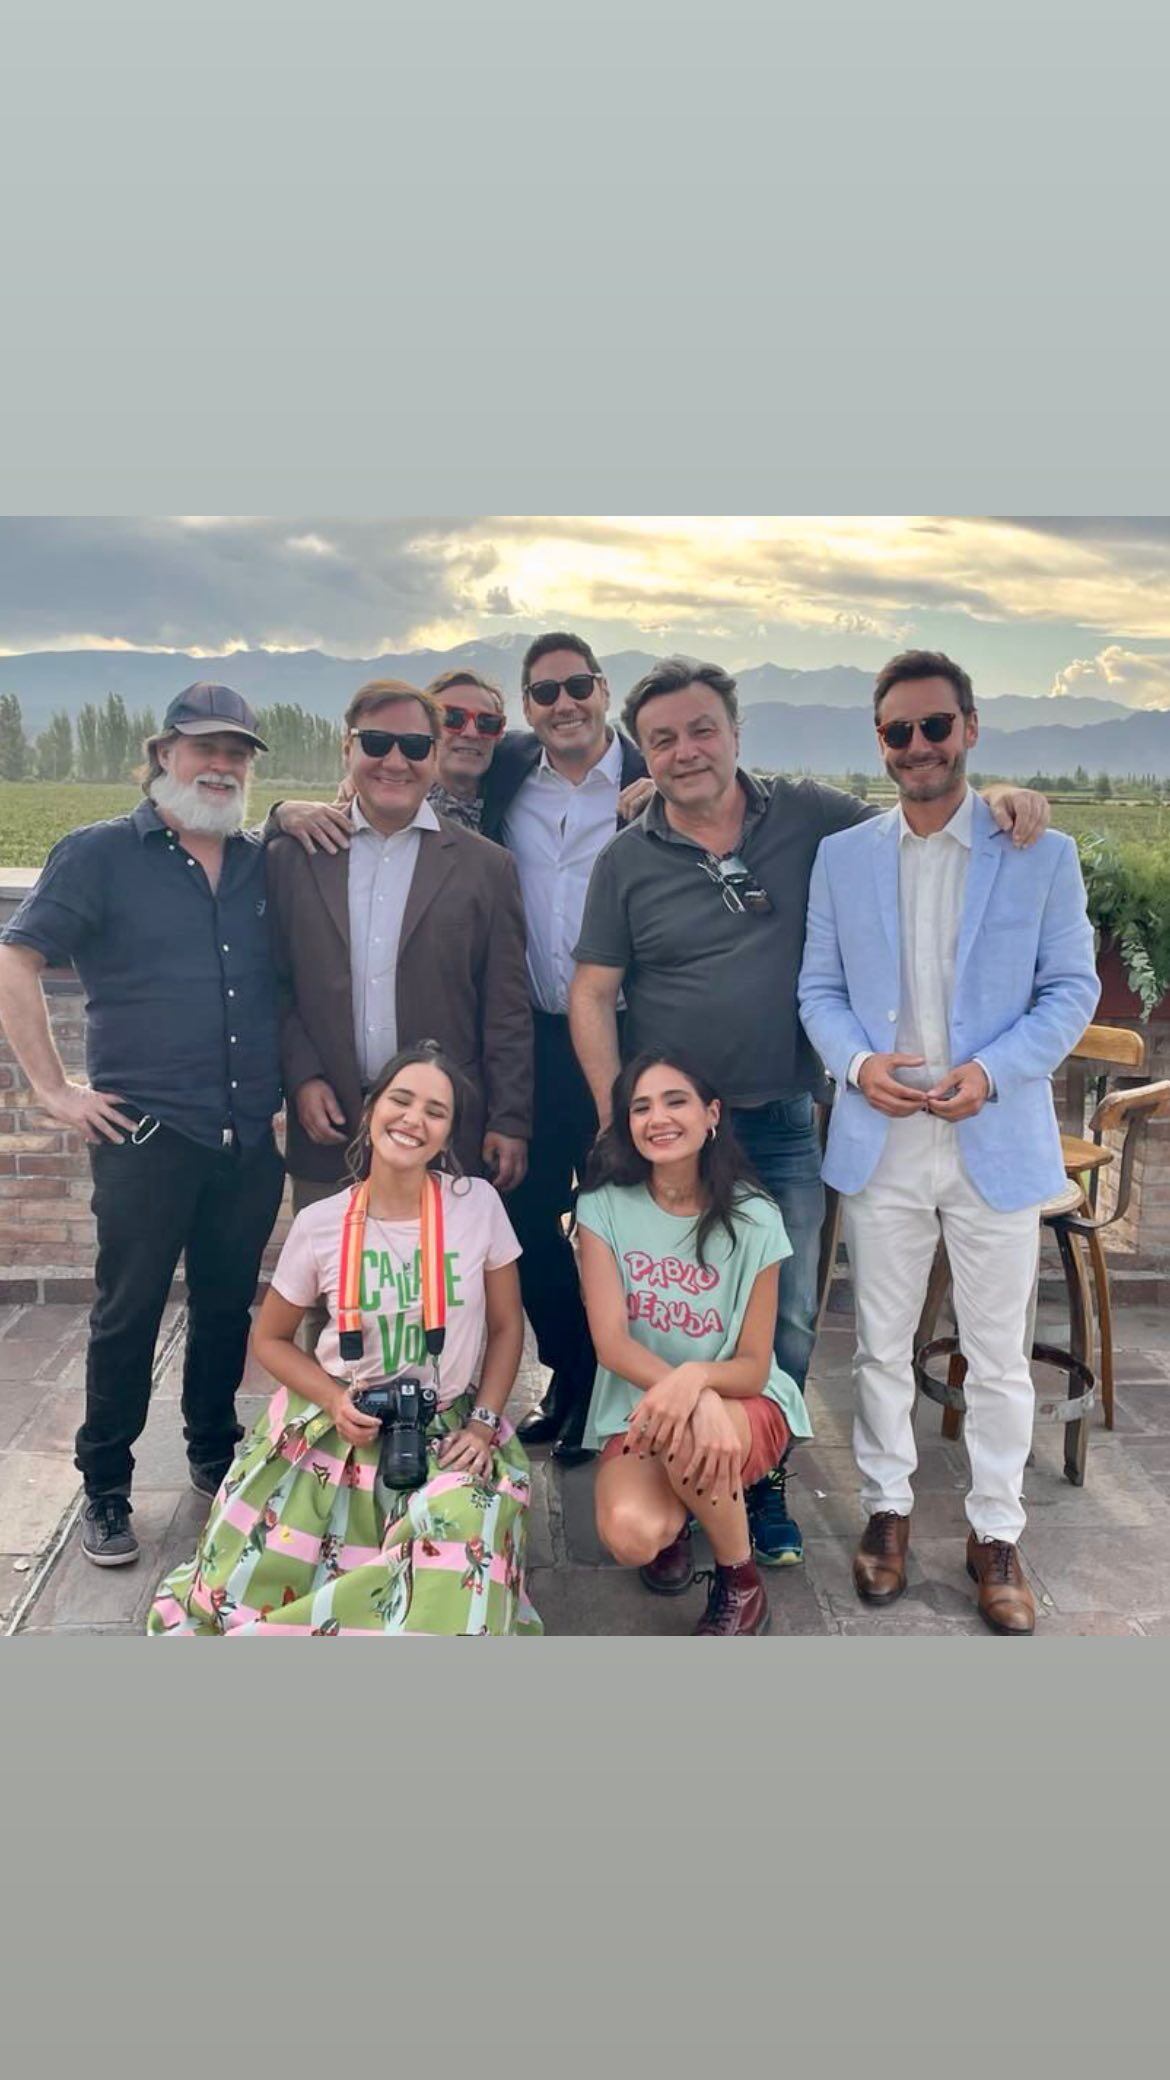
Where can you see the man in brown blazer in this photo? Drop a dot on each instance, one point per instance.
(413, 930)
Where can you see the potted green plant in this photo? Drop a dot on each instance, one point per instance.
(1128, 887)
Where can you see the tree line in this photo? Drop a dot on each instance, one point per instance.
(1097, 786)
(105, 743)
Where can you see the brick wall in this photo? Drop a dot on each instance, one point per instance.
(46, 1227)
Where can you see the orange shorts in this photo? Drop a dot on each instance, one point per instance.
(769, 1439)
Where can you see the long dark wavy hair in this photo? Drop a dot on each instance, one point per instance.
(359, 1155)
(726, 1178)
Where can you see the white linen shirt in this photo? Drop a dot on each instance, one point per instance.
(932, 882)
(381, 870)
(555, 830)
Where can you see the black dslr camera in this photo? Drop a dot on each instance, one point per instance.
(403, 1407)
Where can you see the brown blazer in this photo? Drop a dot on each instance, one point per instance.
(462, 980)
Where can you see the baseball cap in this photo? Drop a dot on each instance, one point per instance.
(204, 709)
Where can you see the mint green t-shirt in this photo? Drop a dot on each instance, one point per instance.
(678, 1308)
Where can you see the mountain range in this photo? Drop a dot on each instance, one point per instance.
(818, 720)
(780, 738)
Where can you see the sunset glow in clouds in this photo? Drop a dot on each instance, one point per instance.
(1033, 606)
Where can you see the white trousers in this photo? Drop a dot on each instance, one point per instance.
(891, 1230)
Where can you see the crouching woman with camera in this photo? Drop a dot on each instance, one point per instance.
(382, 1490)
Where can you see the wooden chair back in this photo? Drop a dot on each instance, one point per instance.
(1114, 1045)
(1129, 1112)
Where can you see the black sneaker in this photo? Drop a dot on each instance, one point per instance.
(207, 1480)
(776, 1539)
(106, 1537)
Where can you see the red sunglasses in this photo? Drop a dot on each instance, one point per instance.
(456, 719)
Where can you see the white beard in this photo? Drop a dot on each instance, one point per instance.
(195, 805)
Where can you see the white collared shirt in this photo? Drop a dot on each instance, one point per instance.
(381, 870)
(555, 830)
(932, 882)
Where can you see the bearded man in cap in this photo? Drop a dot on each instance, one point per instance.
(163, 913)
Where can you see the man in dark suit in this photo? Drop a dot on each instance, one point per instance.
(553, 797)
(413, 930)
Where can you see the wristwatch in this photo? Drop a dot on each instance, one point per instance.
(486, 1416)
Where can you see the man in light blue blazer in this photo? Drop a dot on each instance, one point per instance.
(946, 975)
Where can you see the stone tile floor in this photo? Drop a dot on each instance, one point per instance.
(1099, 1557)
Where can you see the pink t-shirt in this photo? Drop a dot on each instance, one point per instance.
(477, 1237)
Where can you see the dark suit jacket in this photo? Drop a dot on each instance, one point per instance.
(518, 756)
(461, 980)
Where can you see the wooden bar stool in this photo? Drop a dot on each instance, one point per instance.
(1073, 1221)
(1104, 1048)
(1100, 1049)
(1128, 1112)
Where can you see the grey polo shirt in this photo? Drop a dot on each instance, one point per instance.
(698, 976)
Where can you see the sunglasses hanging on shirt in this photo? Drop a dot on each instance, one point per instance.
(737, 885)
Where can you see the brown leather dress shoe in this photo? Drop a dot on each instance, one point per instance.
(674, 1568)
(879, 1564)
(1006, 1603)
(737, 1607)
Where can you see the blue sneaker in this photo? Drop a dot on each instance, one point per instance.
(776, 1539)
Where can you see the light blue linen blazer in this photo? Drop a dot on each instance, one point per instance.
(1025, 989)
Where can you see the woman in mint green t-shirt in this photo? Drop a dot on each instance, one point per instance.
(680, 1264)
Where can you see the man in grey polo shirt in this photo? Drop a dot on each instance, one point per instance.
(697, 912)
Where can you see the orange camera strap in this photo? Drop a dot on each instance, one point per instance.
(434, 1284)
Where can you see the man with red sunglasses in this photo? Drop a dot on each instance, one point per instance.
(472, 723)
(946, 975)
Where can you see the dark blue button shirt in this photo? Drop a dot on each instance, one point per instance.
(179, 984)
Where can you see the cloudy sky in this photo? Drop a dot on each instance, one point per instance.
(1029, 606)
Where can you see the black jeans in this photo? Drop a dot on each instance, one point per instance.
(564, 1126)
(152, 1201)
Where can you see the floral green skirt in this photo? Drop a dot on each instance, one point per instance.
(298, 1541)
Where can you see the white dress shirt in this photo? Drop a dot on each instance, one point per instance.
(932, 882)
(555, 830)
(381, 870)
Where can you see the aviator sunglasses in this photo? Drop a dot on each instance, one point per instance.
(578, 686)
(456, 719)
(935, 728)
(414, 744)
(737, 885)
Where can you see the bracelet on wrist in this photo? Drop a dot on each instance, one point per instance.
(488, 1417)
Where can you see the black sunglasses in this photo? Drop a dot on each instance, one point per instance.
(485, 725)
(737, 885)
(414, 744)
(578, 686)
(935, 728)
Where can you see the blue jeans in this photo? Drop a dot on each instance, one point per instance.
(783, 1146)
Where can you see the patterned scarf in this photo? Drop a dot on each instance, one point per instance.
(469, 814)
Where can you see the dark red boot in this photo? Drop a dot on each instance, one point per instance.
(673, 1570)
(737, 1607)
